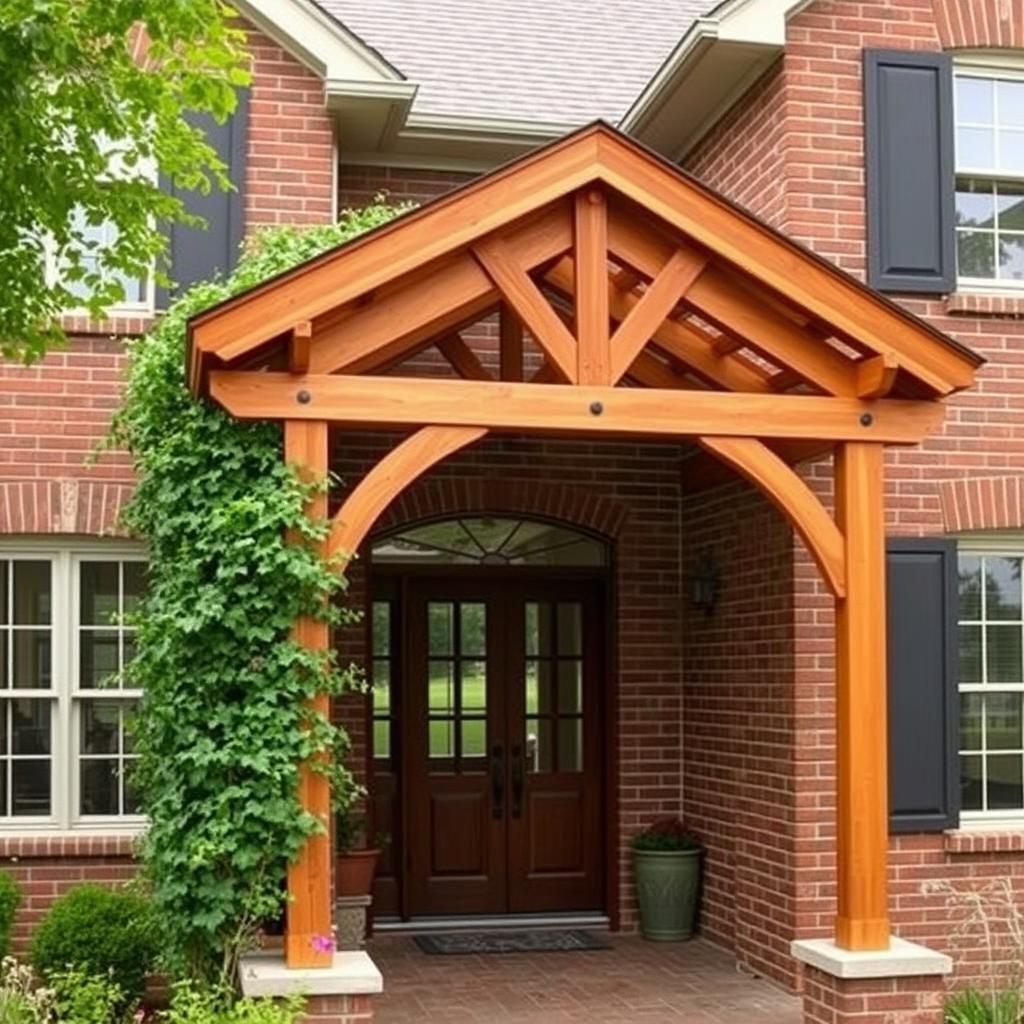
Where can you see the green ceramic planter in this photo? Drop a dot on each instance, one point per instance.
(668, 892)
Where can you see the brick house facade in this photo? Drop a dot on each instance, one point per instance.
(726, 718)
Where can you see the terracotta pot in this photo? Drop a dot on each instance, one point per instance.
(354, 872)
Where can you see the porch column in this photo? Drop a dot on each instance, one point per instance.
(309, 877)
(862, 922)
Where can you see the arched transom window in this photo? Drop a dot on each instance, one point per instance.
(489, 540)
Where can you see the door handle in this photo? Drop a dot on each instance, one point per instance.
(518, 780)
(497, 782)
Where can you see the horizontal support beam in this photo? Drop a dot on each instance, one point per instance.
(373, 402)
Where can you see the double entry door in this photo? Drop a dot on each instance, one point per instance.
(503, 747)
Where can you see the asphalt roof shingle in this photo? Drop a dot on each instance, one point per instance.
(560, 62)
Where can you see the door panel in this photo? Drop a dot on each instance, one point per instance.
(456, 845)
(555, 838)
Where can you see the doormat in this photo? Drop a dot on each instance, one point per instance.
(539, 941)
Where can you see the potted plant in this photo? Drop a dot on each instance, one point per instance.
(667, 872)
(355, 864)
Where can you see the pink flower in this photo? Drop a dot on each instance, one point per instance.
(323, 943)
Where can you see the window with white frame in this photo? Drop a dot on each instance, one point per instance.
(991, 673)
(65, 746)
(989, 118)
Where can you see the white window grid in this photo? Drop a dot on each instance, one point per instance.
(1008, 69)
(66, 695)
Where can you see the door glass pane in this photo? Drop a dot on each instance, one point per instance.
(381, 687)
(474, 737)
(381, 642)
(970, 720)
(473, 620)
(1003, 721)
(1003, 654)
(440, 627)
(570, 629)
(474, 685)
(570, 745)
(538, 688)
(382, 738)
(971, 782)
(539, 745)
(32, 593)
(441, 691)
(1002, 588)
(1005, 790)
(570, 687)
(440, 738)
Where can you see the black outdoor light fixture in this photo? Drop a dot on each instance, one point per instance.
(704, 580)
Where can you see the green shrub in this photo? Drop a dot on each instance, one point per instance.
(82, 998)
(974, 1007)
(10, 899)
(20, 1001)
(102, 933)
(193, 1005)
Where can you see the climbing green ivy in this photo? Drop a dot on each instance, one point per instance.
(223, 723)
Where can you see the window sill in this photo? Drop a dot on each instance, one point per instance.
(132, 323)
(994, 840)
(1002, 304)
(68, 844)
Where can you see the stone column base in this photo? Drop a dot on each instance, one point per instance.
(901, 985)
(339, 994)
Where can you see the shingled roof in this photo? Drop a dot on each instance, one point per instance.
(562, 64)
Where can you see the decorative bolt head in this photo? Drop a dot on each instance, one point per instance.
(596, 408)
(304, 397)
(866, 419)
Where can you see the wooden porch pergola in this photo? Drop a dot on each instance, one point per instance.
(631, 301)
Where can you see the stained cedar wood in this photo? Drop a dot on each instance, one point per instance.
(593, 344)
(387, 479)
(861, 759)
(309, 877)
(510, 344)
(368, 403)
(462, 358)
(793, 498)
(596, 153)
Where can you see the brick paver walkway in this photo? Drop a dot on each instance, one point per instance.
(636, 981)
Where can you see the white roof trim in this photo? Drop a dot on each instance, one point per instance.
(320, 42)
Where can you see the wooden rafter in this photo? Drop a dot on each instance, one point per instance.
(593, 344)
(510, 344)
(462, 358)
(876, 376)
(368, 403)
(299, 344)
(792, 497)
(388, 478)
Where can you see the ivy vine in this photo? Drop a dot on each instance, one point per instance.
(223, 723)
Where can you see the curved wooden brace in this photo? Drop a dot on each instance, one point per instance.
(792, 497)
(403, 464)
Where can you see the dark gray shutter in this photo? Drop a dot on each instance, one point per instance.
(195, 253)
(924, 773)
(908, 120)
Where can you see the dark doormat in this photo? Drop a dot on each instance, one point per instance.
(539, 941)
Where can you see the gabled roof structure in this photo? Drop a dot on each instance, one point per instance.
(660, 311)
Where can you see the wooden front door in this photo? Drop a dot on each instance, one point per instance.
(502, 738)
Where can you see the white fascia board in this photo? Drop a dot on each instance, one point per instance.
(319, 41)
(495, 129)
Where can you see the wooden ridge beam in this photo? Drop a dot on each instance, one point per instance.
(462, 358)
(654, 305)
(519, 291)
(370, 403)
(792, 497)
(593, 344)
(388, 478)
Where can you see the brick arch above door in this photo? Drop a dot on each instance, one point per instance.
(574, 506)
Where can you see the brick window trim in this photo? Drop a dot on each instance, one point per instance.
(118, 325)
(984, 304)
(82, 507)
(976, 841)
(78, 844)
(982, 503)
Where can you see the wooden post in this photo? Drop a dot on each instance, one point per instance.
(862, 922)
(309, 877)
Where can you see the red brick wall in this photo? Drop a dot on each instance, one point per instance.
(359, 186)
(628, 492)
(808, 113)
